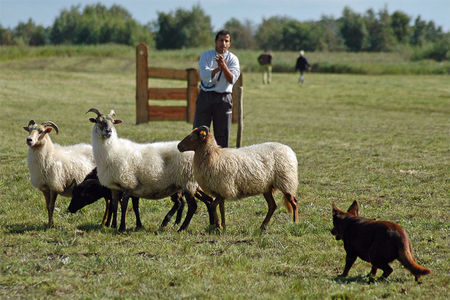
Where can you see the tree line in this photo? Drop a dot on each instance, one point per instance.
(370, 31)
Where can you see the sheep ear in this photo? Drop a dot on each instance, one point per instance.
(92, 120)
(48, 130)
(117, 121)
(26, 128)
(203, 134)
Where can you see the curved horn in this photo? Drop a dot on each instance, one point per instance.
(31, 123)
(51, 124)
(94, 110)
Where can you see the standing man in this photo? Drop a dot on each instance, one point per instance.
(219, 70)
(265, 60)
(301, 65)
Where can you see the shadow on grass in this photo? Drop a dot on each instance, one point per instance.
(357, 279)
(92, 227)
(22, 228)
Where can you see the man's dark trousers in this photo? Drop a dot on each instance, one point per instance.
(215, 107)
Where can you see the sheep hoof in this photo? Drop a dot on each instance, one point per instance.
(49, 225)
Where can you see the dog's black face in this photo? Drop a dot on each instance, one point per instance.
(84, 194)
(337, 230)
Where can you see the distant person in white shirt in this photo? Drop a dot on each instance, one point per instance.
(219, 70)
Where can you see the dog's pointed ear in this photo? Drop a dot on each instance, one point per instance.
(335, 210)
(353, 209)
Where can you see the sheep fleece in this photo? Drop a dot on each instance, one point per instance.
(247, 171)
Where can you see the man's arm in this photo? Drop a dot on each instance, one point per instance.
(224, 68)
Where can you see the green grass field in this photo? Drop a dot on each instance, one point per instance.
(381, 140)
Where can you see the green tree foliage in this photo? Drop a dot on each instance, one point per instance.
(331, 37)
(29, 34)
(183, 28)
(432, 33)
(97, 24)
(241, 34)
(6, 37)
(353, 30)
(301, 35)
(380, 33)
(418, 32)
(400, 26)
(270, 32)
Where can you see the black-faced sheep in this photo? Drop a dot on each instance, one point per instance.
(152, 171)
(90, 190)
(52, 167)
(227, 173)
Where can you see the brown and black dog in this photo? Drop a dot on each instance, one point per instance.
(377, 242)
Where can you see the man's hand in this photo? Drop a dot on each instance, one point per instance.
(220, 61)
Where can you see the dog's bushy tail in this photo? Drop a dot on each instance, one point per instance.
(406, 258)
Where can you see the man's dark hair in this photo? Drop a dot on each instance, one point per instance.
(223, 32)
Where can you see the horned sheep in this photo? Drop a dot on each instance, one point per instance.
(54, 168)
(152, 170)
(227, 173)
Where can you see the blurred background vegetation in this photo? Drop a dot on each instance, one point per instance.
(180, 29)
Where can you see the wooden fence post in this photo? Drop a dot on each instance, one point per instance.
(238, 109)
(142, 107)
(192, 93)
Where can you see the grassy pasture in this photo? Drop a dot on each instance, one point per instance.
(381, 140)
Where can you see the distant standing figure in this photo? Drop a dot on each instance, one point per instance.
(265, 60)
(301, 65)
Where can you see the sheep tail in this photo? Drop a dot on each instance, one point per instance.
(288, 205)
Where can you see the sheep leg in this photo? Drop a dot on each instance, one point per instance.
(176, 205)
(107, 216)
(50, 199)
(180, 210)
(293, 202)
(135, 201)
(124, 208)
(216, 201)
(207, 200)
(192, 207)
(113, 206)
(222, 212)
(272, 206)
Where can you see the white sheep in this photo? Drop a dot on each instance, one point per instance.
(227, 173)
(152, 171)
(54, 168)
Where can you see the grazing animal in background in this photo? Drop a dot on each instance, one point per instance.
(377, 242)
(152, 171)
(227, 173)
(53, 168)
